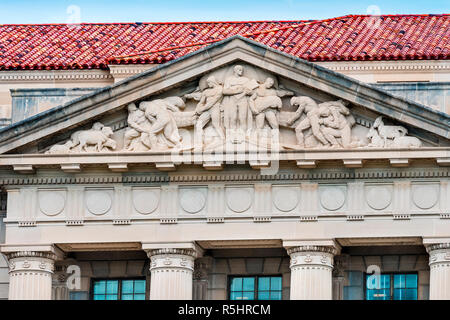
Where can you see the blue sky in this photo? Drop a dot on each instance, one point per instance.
(63, 11)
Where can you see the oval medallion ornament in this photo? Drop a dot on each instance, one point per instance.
(425, 197)
(332, 199)
(239, 200)
(378, 197)
(51, 203)
(145, 201)
(192, 201)
(98, 202)
(285, 199)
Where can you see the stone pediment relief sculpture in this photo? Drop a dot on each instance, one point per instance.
(96, 139)
(383, 136)
(237, 105)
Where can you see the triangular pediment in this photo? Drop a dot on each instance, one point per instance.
(222, 95)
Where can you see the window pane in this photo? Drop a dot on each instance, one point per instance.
(139, 297)
(380, 281)
(263, 283)
(100, 287)
(382, 294)
(399, 294)
(111, 297)
(411, 281)
(275, 295)
(399, 280)
(236, 284)
(99, 297)
(263, 295)
(112, 286)
(411, 294)
(385, 281)
(127, 286)
(275, 283)
(139, 286)
(127, 297)
(249, 284)
(248, 296)
(236, 296)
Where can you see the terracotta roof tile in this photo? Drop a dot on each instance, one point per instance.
(94, 46)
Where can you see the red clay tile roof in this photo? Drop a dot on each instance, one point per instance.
(94, 46)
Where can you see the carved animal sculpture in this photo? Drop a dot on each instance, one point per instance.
(374, 137)
(98, 138)
(388, 132)
(399, 142)
(407, 142)
(60, 148)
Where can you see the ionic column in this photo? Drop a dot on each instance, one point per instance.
(171, 273)
(439, 262)
(30, 275)
(311, 271)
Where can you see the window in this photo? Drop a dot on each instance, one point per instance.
(119, 289)
(255, 288)
(391, 286)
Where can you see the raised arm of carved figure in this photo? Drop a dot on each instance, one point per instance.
(283, 92)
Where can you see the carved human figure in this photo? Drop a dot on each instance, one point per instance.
(313, 112)
(162, 121)
(265, 103)
(138, 125)
(236, 90)
(209, 108)
(336, 124)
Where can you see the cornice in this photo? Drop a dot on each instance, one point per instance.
(58, 75)
(387, 66)
(159, 178)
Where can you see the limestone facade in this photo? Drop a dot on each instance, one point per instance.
(235, 161)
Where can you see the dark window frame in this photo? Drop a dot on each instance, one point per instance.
(391, 283)
(119, 289)
(256, 276)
